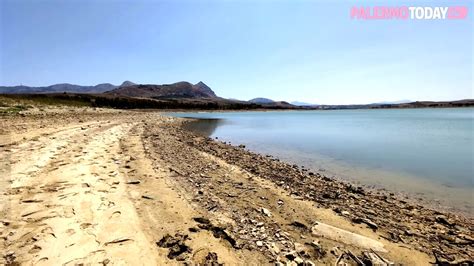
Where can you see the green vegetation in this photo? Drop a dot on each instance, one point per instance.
(108, 101)
(13, 103)
(12, 109)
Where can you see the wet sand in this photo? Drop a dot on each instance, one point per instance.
(125, 187)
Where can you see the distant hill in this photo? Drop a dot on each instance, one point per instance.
(185, 95)
(177, 90)
(63, 87)
(265, 102)
(127, 83)
(302, 103)
(417, 104)
(261, 100)
(204, 88)
(126, 89)
(392, 102)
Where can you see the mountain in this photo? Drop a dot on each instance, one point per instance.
(63, 87)
(126, 89)
(127, 83)
(181, 89)
(204, 88)
(261, 100)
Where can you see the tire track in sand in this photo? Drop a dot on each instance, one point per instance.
(68, 202)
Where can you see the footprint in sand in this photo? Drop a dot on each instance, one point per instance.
(105, 204)
(42, 259)
(115, 214)
(85, 225)
(119, 241)
(70, 231)
(35, 249)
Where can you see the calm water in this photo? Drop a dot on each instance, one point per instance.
(427, 152)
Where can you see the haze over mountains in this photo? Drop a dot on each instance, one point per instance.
(261, 100)
(178, 91)
(62, 87)
(198, 95)
(127, 88)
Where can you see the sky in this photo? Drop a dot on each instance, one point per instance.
(310, 51)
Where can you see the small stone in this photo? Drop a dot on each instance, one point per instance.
(442, 220)
(290, 255)
(259, 243)
(147, 197)
(299, 247)
(298, 260)
(266, 212)
(274, 247)
(193, 229)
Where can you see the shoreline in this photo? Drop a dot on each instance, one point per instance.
(425, 198)
(240, 152)
(217, 202)
(167, 111)
(433, 194)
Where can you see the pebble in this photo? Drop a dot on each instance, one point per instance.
(298, 260)
(274, 247)
(266, 212)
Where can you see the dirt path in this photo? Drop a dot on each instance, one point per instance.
(66, 199)
(166, 213)
(86, 193)
(128, 189)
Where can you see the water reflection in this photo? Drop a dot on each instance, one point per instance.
(203, 126)
(425, 152)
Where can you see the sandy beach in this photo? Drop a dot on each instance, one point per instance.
(101, 186)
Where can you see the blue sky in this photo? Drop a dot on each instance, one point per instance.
(286, 50)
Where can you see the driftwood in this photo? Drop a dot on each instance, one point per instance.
(375, 259)
(339, 259)
(344, 236)
(355, 258)
(350, 256)
(369, 258)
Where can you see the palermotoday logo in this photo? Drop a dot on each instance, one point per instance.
(409, 12)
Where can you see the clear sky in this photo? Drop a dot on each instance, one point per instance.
(285, 50)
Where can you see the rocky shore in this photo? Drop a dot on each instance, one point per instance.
(96, 186)
(444, 237)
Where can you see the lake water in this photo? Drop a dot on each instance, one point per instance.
(423, 152)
